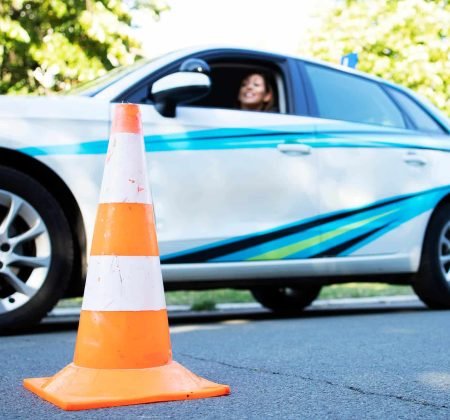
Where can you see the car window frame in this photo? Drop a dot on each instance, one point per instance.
(311, 108)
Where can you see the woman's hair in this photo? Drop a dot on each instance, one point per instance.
(268, 106)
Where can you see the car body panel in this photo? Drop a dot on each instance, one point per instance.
(223, 177)
(359, 167)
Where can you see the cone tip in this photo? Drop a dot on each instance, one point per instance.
(127, 119)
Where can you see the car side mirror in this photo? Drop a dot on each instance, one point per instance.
(177, 88)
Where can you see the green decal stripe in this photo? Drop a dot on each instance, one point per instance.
(288, 250)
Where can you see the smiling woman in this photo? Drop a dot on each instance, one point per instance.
(256, 93)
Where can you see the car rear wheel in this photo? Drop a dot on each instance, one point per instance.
(36, 250)
(432, 283)
(286, 299)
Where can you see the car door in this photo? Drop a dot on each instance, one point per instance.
(374, 175)
(231, 185)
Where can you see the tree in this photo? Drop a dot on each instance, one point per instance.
(52, 45)
(405, 41)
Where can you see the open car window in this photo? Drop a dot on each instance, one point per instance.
(226, 80)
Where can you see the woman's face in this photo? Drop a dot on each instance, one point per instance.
(253, 93)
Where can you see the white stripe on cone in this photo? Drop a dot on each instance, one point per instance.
(124, 178)
(124, 283)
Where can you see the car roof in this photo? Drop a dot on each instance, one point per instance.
(244, 50)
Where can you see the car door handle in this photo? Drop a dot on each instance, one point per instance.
(413, 159)
(294, 149)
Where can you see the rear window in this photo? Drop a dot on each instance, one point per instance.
(342, 96)
(420, 118)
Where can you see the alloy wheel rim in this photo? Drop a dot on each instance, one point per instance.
(25, 251)
(444, 252)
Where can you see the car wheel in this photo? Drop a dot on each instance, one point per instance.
(286, 299)
(36, 250)
(432, 283)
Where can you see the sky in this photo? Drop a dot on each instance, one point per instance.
(277, 25)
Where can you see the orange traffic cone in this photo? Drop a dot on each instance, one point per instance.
(123, 354)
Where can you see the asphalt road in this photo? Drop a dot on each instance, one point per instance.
(336, 363)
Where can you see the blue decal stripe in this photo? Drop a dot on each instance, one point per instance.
(419, 206)
(224, 247)
(350, 235)
(236, 138)
(221, 248)
(340, 248)
(392, 212)
(315, 248)
(97, 147)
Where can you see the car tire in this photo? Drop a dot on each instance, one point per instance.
(432, 282)
(289, 300)
(36, 250)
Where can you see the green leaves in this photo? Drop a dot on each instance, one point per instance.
(52, 45)
(405, 41)
(12, 30)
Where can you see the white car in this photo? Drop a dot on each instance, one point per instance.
(346, 179)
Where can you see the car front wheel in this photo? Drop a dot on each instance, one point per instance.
(36, 250)
(432, 283)
(286, 299)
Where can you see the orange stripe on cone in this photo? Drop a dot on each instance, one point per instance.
(123, 339)
(125, 229)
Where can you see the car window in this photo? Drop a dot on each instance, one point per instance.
(419, 116)
(226, 79)
(346, 97)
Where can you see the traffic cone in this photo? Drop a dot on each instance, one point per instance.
(123, 353)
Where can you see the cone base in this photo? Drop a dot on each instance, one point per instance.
(78, 388)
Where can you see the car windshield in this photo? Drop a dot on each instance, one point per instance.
(93, 87)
